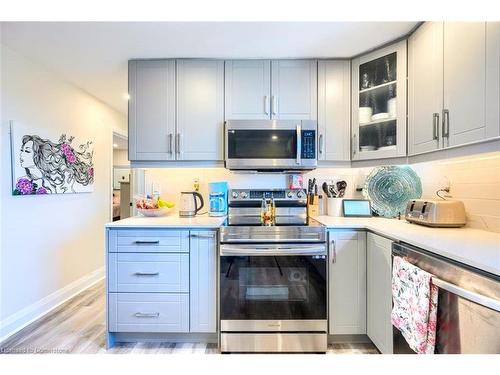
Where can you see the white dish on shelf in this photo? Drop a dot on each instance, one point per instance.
(365, 114)
(391, 147)
(367, 148)
(380, 116)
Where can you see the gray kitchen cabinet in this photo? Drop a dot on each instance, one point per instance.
(203, 274)
(379, 103)
(347, 282)
(294, 89)
(200, 110)
(151, 117)
(247, 89)
(464, 84)
(492, 79)
(379, 292)
(425, 88)
(334, 110)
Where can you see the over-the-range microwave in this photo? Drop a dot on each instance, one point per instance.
(264, 145)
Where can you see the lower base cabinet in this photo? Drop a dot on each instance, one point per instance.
(379, 292)
(347, 282)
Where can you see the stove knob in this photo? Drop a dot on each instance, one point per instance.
(290, 194)
(300, 194)
(235, 195)
(244, 195)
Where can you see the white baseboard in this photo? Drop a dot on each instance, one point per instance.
(17, 321)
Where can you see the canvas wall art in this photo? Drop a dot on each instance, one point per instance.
(41, 165)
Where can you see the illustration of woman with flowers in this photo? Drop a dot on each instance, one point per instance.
(53, 167)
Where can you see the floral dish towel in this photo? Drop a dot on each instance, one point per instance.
(414, 310)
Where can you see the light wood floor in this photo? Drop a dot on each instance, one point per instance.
(78, 326)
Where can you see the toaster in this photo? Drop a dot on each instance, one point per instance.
(436, 213)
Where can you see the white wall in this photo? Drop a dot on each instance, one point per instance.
(53, 245)
(120, 158)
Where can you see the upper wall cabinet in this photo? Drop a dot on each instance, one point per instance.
(176, 113)
(294, 89)
(453, 84)
(200, 110)
(379, 103)
(264, 89)
(248, 89)
(151, 115)
(334, 110)
(425, 88)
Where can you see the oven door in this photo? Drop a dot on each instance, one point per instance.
(269, 144)
(273, 288)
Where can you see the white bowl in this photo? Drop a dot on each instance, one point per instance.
(153, 212)
(365, 114)
(380, 116)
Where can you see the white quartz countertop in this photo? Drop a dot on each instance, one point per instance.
(170, 221)
(474, 247)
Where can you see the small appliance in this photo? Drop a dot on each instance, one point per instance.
(436, 213)
(217, 198)
(276, 145)
(189, 204)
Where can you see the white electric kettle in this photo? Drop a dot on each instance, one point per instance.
(189, 206)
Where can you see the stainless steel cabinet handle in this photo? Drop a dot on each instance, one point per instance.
(435, 124)
(206, 235)
(226, 250)
(266, 105)
(321, 143)
(446, 124)
(146, 273)
(170, 145)
(147, 315)
(354, 148)
(178, 142)
(274, 105)
(157, 242)
(333, 251)
(299, 143)
(467, 294)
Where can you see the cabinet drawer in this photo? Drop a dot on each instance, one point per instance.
(148, 241)
(148, 272)
(148, 312)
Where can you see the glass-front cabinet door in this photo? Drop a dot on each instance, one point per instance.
(379, 103)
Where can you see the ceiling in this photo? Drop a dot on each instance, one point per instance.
(94, 55)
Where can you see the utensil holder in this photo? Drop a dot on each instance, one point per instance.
(313, 208)
(334, 207)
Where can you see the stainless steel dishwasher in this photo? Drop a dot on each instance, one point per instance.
(468, 304)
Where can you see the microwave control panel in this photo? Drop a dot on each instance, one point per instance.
(308, 144)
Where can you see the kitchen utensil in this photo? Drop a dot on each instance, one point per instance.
(341, 186)
(189, 206)
(390, 188)
(326, 189)
(333, 192)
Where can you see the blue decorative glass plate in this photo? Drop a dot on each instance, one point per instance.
(390, 189)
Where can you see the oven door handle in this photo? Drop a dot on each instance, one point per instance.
(271, 251)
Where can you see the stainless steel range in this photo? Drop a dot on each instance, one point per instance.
(273, 279)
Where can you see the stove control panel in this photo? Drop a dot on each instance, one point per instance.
(290, 195)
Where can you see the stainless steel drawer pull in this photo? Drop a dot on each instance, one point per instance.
(435, 119)
(334, 252)
(467, 294)
(207, 235)
(157, 242)
(146, 273)
(147, 315)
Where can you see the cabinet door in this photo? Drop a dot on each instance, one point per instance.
(203, 273)
(334, 106)
(294, 89)
(492, 79)
(247, 89)
(379, 292)
(151, 117)
(200, 109)
(347, 282)
(464, 82)
(425, 88)
(379, 103)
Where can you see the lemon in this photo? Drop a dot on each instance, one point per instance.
(163, 203)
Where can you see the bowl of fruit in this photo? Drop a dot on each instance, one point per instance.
(153, 207)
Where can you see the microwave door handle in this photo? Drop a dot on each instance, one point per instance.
(299, 143)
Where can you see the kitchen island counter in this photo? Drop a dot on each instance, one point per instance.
(474, 247)
(169, 222)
